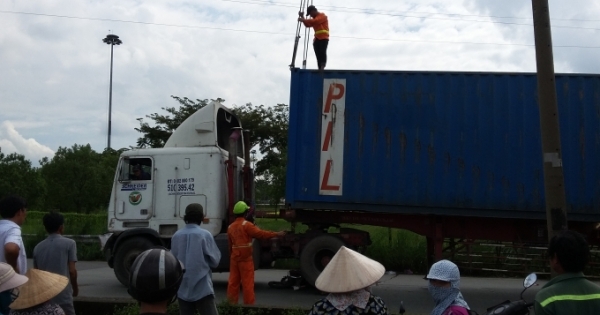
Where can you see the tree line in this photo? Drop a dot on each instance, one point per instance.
(79, 179)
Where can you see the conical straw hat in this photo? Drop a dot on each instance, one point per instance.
(41, 287)
(349, 271)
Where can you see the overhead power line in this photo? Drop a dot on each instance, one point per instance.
(404, 14)
(139, 22)
(280, 33)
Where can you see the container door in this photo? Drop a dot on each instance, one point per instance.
(135, 189)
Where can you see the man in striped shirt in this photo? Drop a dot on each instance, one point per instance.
(569, 292)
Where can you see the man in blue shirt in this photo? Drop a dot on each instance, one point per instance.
(196, 249)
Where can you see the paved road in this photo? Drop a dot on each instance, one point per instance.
(98, 283)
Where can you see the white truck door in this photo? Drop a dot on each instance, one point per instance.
(135, 189)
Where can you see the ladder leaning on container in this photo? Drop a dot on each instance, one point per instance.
(303, 5)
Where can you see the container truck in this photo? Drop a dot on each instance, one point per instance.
(447, 155)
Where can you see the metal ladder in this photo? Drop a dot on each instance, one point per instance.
(303, 5)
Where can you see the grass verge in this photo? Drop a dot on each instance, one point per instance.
(224, 308)
(395, 249)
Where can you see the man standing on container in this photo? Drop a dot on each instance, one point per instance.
(58, 254)
(195, 247)
(241, 266)
(321, 25)
(13, 210)
(569, 292)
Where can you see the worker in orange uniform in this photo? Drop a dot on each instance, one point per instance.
(321, 25)
(241, 266)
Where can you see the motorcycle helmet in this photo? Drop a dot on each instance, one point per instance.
(155, 275)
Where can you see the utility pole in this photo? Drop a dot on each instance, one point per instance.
(111, 40)
(554, 182)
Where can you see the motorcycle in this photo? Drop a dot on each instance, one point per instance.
(520, 307)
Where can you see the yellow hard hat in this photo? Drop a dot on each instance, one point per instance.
(240, 207)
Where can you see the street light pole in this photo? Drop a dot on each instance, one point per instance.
(111, 40)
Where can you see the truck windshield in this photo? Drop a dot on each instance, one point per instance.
(136, 169)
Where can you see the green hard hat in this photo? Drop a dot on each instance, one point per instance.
(240, 207)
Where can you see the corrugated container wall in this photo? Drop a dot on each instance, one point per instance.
(465, 144)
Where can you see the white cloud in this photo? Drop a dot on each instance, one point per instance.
(54, 81)
(11, 141)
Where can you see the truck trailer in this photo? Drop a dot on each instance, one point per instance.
(447, 155)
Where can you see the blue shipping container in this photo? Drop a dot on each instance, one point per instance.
(446, 143)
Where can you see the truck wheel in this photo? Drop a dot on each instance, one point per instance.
(316, 255)
(126, 254)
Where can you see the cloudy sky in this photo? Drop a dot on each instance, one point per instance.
(54, 67)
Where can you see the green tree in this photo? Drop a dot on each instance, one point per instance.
(79, 179)
(17, 176)
(268, 126)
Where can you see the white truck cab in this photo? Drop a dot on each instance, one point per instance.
(205, 161)
(152, 187)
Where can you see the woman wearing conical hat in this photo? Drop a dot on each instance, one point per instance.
(347, 278)
(34, 296)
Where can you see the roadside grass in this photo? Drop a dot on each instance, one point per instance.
(223, 308)
(75, 224)
(398, 250)
(395, 249)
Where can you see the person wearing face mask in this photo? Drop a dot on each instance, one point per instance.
(444, 282)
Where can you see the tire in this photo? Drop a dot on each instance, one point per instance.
(316, 254)
(126, 254)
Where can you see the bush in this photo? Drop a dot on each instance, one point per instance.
(75, 224)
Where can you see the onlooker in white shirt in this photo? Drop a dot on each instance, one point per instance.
(13, 210)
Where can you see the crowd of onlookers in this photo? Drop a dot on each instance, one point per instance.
(48, 287)
(160, 276)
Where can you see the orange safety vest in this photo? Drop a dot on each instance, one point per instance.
(320, 25)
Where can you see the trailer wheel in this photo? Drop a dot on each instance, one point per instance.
(126, 254)
(316, 255)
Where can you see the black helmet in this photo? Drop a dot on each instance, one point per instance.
(155, 275)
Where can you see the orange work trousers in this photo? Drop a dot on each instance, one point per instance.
(241, 272)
